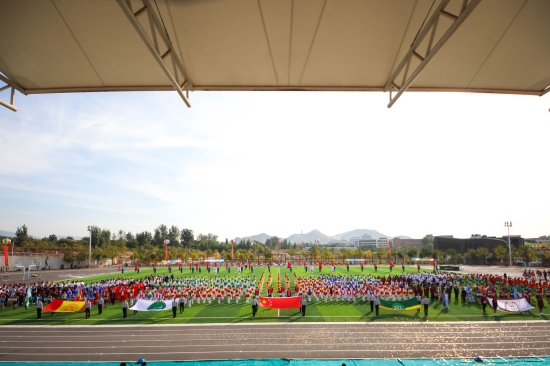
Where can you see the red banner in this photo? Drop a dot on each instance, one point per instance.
(6, 262)
(292, 302)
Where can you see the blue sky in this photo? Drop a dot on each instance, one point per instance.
(242, 163)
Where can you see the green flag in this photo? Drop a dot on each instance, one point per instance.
(403, 305)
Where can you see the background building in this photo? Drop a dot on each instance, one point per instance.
(405, 243)
(463, 245)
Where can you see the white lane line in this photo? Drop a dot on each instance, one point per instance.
(437, 324)
(407, 350)
(286, 344)
(412, 320)
(274, 332)
(365, 335)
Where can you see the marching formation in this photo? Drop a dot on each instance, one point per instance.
(437, 287)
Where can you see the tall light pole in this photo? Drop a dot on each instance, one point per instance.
(91, 230)
(508, 224)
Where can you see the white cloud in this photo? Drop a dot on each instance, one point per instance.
(243, 163)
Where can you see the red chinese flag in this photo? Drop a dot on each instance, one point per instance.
(292, 302)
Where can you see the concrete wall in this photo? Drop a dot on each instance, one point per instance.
(53, 263)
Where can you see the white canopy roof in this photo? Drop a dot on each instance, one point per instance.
(494, 46)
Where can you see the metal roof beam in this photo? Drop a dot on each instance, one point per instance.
(157, 28)
(431, 24)
(14, 87)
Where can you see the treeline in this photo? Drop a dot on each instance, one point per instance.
(148, 246)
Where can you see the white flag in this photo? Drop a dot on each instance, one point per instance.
(512, 305)
(153, 305)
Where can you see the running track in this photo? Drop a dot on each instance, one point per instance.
(267, 340)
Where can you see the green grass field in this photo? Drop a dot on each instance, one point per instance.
(321, 311)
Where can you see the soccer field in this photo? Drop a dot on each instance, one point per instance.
(317, 311)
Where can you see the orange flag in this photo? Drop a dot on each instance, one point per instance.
(64, 306)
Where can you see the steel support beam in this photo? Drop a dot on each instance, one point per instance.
(157, 28)
(14, 87)
(431, 24)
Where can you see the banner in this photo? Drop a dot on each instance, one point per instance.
(6, 262)
(411, 304)
(64, 306)
(292, 302)
(28, 298)
(153, 305)
(512, 305)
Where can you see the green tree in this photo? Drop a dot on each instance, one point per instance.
(314, 252)
(174, 235)
(104, 238)
(450, 254)
(325, 254)
(472, 254)
(368, 254)
(97, 254)
(160, 235)
(532, 254)
(482, 253)
(81, 256)
(21, 235)
(111, 252)
(381, 253)
(500, 252)
(68, 256)
(426, 252)
(438, 255)
(137, 254)
(400, 253)
(345, 253)
(357, 253)
(144, 238)
(517, 253)
(187, 238)
(52, 238)
(412, 252)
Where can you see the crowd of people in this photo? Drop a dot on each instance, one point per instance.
(438, 287)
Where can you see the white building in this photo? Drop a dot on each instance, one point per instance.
(369, 242)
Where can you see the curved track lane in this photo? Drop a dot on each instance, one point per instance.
(259, 341)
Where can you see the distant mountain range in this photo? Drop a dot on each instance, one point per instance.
(9, 234)
(324, 239)
(294, 238)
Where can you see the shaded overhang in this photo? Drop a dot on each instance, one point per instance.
(487, 46)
